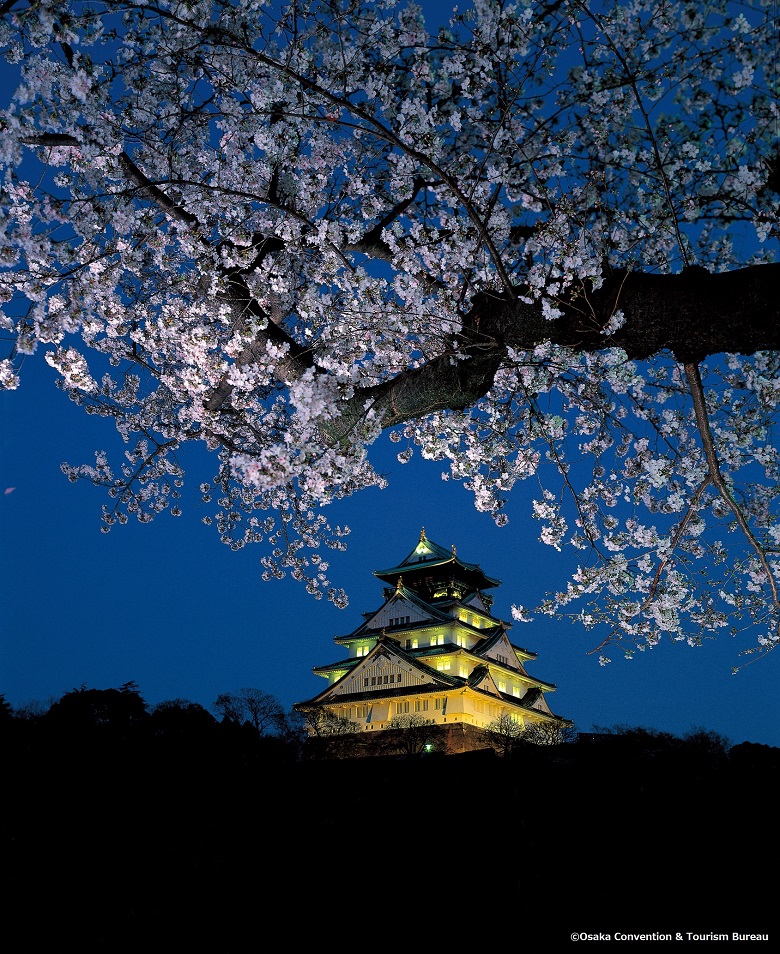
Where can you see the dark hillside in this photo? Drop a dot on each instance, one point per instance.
(112, 835)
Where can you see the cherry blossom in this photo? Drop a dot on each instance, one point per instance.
(537, 242)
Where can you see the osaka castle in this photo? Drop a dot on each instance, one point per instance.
(432, 655)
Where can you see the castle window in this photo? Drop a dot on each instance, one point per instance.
(463, 672)
(502, 686)
(386, 679)
(365, 681)
(421, 705)
(444, 664)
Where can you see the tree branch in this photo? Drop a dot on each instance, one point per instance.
(288, 369)
(695, 313)
(219, 35)
(153, 193)
(692, 314)
(373, 238)
(693, 378)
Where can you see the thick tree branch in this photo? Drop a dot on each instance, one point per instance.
(444, 383)
(153, 193)
(691, 315)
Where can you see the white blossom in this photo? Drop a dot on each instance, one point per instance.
(270, 239)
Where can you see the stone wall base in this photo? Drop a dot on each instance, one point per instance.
(451, 739)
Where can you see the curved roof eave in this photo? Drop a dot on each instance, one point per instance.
(428, 555)
(475, 568)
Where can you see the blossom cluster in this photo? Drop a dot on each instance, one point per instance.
(265, 230)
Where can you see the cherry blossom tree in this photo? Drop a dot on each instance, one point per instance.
(537, 241)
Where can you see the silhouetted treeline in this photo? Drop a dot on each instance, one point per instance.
(123, 819)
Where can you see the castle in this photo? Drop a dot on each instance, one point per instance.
(431, 667)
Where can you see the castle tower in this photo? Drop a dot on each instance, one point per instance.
(432, 658)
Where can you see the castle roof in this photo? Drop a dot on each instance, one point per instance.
(347, 688)
(429, 557)
(500, 633)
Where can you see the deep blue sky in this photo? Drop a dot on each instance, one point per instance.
(171, 608)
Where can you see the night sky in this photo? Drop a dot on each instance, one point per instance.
(169, 607)
(172, 609)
